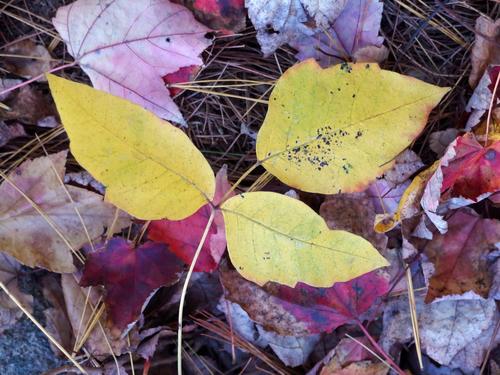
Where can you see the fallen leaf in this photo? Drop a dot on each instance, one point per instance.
(33, 60)
(226, 16)
(79, 306)
(353, 213)
(291, 350)
(184, 74)
(138, 156)
(27, 235)
(9, 312)
(358, 368)
(29, 105)
(459, 256)
(335, 130)
(352, 36)
(474, 171)
(440, 140)
(479, 102)
(448, 328)
(130, 276)
(279, 22)
(10, 132)
(272, 237)
(304, 309)
(7, 83)
(485, 50)
(107, 38)
(183, 236)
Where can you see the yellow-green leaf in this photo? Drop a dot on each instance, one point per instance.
(272, 237)
(336, 129)
(150, 168)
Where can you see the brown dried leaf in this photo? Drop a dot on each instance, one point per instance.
(486, 49)
(34, 59)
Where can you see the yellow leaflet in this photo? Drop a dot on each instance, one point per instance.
(409, 205)
(336, 129)
(272, 237)
(150, 168)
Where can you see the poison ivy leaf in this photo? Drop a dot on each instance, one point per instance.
(474, 170)
(130, 276)
(150, 168)
(227, 16)
(352, 36)
(183, 236)
(335, 130)
(304, 309)
(272, 237)
(459, 256)
(126, 47)
(36, 240)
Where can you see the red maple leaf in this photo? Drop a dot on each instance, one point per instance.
(183, 236)
(459, 255)
(130, 276)
(474, 170)
(184, 74)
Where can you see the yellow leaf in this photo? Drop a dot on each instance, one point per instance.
(336, 129)
(272, 237)
(409, 205)
(150, 168)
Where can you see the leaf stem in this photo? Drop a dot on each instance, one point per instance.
(184, 290)
(36, 78)
(379, 349)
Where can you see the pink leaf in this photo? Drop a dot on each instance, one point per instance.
(126, 47)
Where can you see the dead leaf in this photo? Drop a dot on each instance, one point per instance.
(130, 277)
(30, 106)
(448, 329)
(33, 60)
(479, 102)
(352, 36)
(8, 132)
(9, 312)
(155, 38)
(486, 48)
(441, 139)
(353, 213)
(28, 236)
(459, 256)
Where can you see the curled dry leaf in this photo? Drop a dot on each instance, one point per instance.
(460, 255)
(33, 60)
(279, 22)
(130, 277)
(183, 236)
(272, 237)
(353, 213)
(352, 36)
(335, 130)
(455, 333)
(479, 102)
(43, 241)
(109, 37)
(9, 312)
(130, 151)
(304, 309)
(485, 50)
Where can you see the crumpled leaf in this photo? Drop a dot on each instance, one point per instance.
(304, 309)
(353, 213)
(108, 37)
(150, 168)
(337, 129)
(479, 103)
(79, 302)
(459, 256)
(9, 312)
(485, 50)
(226, 16)
(474, 170)
(25, 233)
(449, 329)
(130, 276)
(34, 59)
(272, 237)
(352, 36)
(291, 350)
(279, 22)
(183, 236)
(8, 132)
